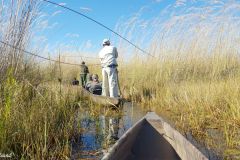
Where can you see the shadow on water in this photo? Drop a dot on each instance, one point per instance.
(101, 130)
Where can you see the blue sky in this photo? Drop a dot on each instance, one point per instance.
(61, 29)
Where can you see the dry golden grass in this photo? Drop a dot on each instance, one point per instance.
(199, 94)
(193, 81)
(194, 76)
(196, 95)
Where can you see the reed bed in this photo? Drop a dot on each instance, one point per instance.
(36, 110)
(37, 121)
(191, 72)
(192, 75)
(195, 97)
(192, 78)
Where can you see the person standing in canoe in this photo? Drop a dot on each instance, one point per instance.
(108, 57)
(83, 73)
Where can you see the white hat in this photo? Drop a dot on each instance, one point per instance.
(106, 41)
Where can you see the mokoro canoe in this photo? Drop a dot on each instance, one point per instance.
(102, 100)
(153, 139)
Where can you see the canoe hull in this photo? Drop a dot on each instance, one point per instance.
(102, 100)
(153, 138)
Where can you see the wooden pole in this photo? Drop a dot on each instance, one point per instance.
(118, 84)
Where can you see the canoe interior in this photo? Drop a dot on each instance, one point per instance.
(152, 138)
(142, 143)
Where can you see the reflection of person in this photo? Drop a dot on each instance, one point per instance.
(109, 128)
(95, 86)
(113, 129)
(108, 56)
(83, 73)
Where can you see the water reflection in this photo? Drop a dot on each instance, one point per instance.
(113, 127)
(100, 131)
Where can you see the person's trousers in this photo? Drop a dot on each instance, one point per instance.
(83, 79)
(110, 82)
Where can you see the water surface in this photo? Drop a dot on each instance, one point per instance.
(100, 129)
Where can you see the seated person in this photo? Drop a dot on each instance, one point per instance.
(89, 81)
(96, 86)
(75, 81)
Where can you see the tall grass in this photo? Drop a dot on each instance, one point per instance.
(36, 111)
(16, 19)
(195, 96)
(39, 123)
(194, 78)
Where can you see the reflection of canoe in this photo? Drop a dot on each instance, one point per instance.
(153, 138)
(103, 100)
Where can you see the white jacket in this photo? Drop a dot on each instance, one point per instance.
(108, 56)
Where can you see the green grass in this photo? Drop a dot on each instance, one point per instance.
(193, 80)
(39, 123)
